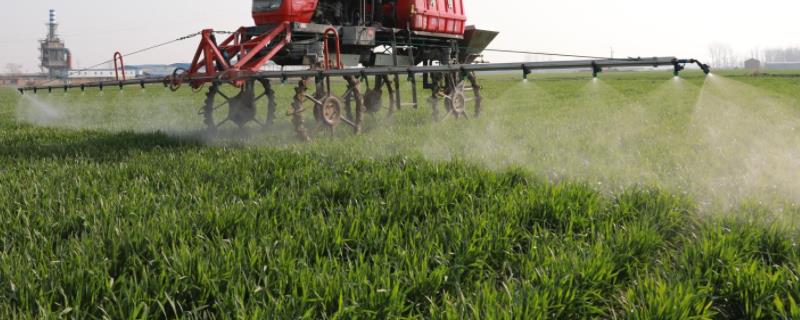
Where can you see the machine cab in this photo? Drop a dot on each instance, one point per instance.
(278, 11)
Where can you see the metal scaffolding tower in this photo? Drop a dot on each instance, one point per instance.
(55, 58)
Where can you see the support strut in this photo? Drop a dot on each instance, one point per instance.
(434, 99)
(271, 105)
(208, 108)
(359, 101)
(297, 110)
(392, 89)
(476, 90)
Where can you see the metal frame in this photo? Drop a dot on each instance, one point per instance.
(213, 60)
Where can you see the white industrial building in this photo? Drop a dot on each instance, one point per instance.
(100, 74)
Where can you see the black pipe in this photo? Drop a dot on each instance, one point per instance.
(706, 69)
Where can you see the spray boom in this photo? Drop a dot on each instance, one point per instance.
(680, 64)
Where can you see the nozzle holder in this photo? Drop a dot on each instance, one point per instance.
(677, 68)
(596, 69)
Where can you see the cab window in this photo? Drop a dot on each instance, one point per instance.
(266, 5)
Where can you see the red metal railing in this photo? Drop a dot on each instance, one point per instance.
(120, 66)
(326, 54)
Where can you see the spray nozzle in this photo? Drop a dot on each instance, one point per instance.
(705, 67)
(596, 69)
(678, 68)
(525, 72)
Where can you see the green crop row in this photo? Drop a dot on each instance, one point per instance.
(115, 223)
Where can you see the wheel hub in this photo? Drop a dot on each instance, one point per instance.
(458, 100)
(330, 111)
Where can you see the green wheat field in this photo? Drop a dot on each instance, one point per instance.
(636, 196)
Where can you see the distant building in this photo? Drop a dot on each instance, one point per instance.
(101, 74)
(153, 70)
(9, 80)
(752, 64)
(25, 79)
(782, 65)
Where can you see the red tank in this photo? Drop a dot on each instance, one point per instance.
(278, 11)
(439, 16)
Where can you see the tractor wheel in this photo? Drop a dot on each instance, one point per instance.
(457, 95)
(330, 110)
(457, 100)
(373, 100)
(242, 107)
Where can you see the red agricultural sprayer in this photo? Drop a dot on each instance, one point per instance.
(354, 40)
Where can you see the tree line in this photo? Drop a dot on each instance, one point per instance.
(724, 57)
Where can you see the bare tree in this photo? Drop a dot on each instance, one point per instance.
(778, 55)
(13, 68)
(756, 53)
(723, 56)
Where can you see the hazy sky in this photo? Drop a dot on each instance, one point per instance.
(94, 29)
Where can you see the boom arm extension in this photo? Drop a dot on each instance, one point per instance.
(524, 67)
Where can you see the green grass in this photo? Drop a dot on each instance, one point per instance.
(564, 201)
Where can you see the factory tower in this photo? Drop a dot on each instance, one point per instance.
(55, 57)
